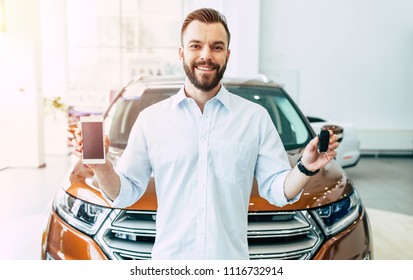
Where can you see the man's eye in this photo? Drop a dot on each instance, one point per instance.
(218, 48)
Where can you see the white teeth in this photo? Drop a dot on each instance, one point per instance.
(204, 68)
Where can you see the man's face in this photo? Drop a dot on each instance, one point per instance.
(204, 54)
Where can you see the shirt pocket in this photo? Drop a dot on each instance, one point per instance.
(231, 162)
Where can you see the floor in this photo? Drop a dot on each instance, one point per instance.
(386, 189)
(384, 184)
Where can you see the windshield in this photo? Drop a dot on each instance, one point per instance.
(285, 116)
(127, 109)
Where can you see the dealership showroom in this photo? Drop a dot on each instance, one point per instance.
(344, 65)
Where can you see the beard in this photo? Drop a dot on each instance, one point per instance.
(205, 82)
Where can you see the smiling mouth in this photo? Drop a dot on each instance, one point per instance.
(203, 68)
(206, 66)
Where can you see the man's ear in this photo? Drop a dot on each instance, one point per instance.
(181, 53)
(228, 54)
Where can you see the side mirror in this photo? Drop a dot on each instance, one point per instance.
(316, 123)
(337, 130)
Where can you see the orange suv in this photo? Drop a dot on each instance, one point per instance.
(328, 222)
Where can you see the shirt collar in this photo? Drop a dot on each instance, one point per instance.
(222, 96)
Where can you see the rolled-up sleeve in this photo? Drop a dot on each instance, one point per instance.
(274, 192)
(272, 165)
(129, 193)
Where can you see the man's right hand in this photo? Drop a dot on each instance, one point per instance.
(77, 143)
(106, 177)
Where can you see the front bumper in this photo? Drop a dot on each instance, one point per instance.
(62, 242)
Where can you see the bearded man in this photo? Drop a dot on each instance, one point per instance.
(204, 146)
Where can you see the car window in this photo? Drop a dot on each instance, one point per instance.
(289, 123)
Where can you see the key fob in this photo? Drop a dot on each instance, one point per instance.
(323, 141)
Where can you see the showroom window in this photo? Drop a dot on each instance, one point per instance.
(111, 42)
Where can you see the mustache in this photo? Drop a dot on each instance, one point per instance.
(206, 63)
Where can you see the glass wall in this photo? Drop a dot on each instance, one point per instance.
(111, 42)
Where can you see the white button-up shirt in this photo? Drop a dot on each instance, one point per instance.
(203, 165)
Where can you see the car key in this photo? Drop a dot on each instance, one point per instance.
(323, 141)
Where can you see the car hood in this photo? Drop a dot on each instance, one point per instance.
(327, 186)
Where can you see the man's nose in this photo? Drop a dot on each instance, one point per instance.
(206, 53)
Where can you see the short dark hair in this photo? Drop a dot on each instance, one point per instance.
(206, 15)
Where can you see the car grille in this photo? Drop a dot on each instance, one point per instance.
(129, 235)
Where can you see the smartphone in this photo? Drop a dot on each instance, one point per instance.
(93, 146)
(323, 140)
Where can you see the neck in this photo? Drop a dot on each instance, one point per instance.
(200, 97)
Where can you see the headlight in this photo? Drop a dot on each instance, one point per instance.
(83, 216)
(339, 215)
